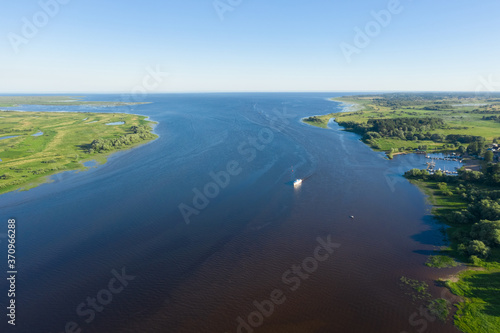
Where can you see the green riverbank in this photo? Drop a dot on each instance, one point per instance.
(474, 241)
(35, 145)
(433, 122)
(468, 204)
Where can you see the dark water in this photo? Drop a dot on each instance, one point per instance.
(241, 240)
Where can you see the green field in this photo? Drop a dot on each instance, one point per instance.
(27, 160)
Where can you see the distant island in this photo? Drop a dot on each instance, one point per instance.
(468, 204)
(35, 145)
(12, 101)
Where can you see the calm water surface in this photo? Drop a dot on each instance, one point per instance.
(243, 236)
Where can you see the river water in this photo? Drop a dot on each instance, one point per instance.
(204, 223)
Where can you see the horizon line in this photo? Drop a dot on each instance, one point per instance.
(247, 92)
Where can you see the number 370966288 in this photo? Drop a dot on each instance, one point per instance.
(12, 241)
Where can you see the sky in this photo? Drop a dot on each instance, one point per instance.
(66, 46)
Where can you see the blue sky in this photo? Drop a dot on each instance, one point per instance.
(278, 45)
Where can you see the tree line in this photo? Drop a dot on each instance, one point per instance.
(412, 128)
(494, 118)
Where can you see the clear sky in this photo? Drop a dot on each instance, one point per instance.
(260, 45)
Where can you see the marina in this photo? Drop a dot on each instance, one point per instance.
(447, 164)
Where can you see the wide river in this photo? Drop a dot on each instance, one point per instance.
(203, 231)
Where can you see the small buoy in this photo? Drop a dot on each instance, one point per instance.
(351, 216)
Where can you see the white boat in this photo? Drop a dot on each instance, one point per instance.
(297, 182)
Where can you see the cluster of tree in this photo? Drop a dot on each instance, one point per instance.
(397, 102)
(489, 176)
(355, 127)
(482, 215)
(443, 187)
(494, 118)
(438, 106)
(139, 133)
(415, 124)
(416, 128)
(314, 119)
(476, 148)
(17, 130)
(479, 239)
(476, 144)
(483, 111)
(462, 138)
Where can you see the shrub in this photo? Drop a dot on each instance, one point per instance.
(476, 261)
(478, 248)
(439, 308)
(461, 217)
(487, 231)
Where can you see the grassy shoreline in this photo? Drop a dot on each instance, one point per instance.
(478, 285)
(323, 120)
(67, 141)
(409, 122)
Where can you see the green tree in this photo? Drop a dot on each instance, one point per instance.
(478, 248)
(488, 156)
(472, 149)
(416, 173)
(487, 231)
(486, 209)
(461, 217)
